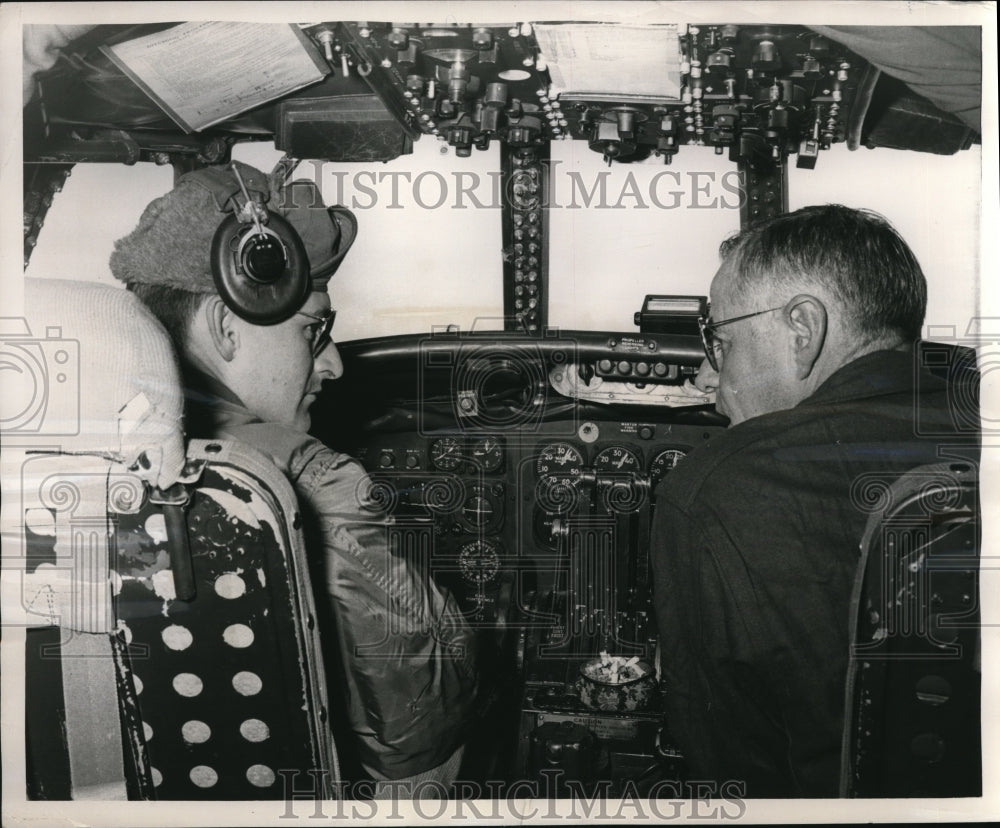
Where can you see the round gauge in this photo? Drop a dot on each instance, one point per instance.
(488, 453)
(478, 511)
(482, 509)
(559, 459)
(479, 561)
(446, 453)
(618, 460)
(664, 462)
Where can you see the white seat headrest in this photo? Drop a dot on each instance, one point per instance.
(97, 374)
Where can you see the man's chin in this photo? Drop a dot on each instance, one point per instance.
(722, 408)
(302, 421)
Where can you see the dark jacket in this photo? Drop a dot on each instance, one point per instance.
(403, 656)
(755, 543)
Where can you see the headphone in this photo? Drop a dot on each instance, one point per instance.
(259, 264)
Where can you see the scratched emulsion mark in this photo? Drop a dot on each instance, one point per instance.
(141, 549)
(142, 560)
(163, 586)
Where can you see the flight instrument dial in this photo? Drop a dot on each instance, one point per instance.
(617, 460)
(561, 459)
(664, 462)
(446, 453)
(479, 561)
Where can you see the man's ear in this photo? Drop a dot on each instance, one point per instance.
(220, 320)
(807, 318)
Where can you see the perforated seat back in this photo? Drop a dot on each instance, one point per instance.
(130, 689)
(229, 694)
(913, 692)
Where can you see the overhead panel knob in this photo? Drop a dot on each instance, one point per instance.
(398, 38)
(482, 39)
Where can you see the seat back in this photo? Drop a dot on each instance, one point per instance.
(172, 650)
(228, 687)
(912, 724)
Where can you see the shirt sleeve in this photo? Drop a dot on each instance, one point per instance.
(407, 652)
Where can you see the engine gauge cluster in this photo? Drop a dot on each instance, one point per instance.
(566, 460)
(579, 485)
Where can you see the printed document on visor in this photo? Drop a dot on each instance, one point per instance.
(597, 60)
(203, 73)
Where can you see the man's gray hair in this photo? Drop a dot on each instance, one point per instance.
(855, 254)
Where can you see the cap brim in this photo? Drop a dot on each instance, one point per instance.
(347, 223)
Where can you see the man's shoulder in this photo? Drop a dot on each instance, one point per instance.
(770, 450)
(728, 458)
(298, 454)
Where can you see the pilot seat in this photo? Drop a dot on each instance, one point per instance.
(172, 650)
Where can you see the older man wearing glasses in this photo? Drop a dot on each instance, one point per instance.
(810, 350)
(406, 704)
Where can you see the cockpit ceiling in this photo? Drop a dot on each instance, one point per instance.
(759, 93)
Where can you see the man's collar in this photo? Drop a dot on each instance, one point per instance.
(211, 405)
(874, 374)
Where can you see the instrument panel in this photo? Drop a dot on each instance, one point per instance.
(540, 530)
(564, 457)
(530, 500)
(498, 516)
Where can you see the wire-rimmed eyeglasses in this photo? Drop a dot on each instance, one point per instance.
(321, 330)
(707, 329)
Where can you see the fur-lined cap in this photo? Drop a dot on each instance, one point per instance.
(171, 244)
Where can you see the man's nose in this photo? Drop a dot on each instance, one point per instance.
(707, 379)
(328, 364)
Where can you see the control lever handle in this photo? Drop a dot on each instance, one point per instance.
(560, 529)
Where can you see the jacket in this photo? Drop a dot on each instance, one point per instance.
(755, 544)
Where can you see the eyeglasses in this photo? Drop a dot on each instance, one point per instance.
(321, 330)
(707, 329)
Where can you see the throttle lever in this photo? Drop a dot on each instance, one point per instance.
(173, 499)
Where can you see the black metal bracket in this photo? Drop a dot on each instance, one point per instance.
(765, 190)
(173, 500)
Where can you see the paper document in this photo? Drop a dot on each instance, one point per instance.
(598, 60)
(203, 73)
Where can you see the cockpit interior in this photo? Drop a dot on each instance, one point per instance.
(539, 207)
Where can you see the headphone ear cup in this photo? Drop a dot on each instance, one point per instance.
(261, 278)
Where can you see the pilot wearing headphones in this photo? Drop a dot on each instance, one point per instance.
(238, 274)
